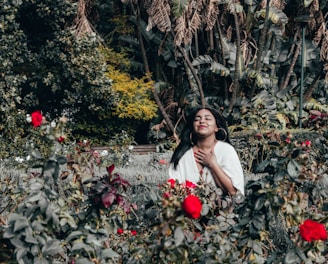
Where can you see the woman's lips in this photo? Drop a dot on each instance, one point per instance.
(201, 127)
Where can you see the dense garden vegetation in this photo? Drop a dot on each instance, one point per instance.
(64, 209)
(79, 73)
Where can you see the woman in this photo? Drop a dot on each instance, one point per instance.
(205, 152)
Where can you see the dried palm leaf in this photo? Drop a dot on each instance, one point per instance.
(211, 14)
(324, 47)
(179, 29)
(159, 15)
(82, 25)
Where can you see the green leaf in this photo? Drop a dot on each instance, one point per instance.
(205, 209)
(52, 247)
(74, 235)
(20, 253)
(61, 160)
(258, 222)
(259, 203)
(13, 217)
(20, 224)
(17, 243)
(244, 221)
(9, 233)
(40, 260)
(179, 6)
(109, 253)
(293, 168)
(82, 246)
(29, 238)
(257, 247)
(262, 166)
(178, 236)
(36, 154)
(83, 261)
(291, 257)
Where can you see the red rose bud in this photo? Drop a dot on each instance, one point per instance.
(308, 143)
(190, 185)
(133, 232)
(192, 206)
(61, 139)
(311, 230)
(36, 118)
(162, 162)
(172, 182)
(120, 231)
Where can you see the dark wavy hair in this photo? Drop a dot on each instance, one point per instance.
(187, 141)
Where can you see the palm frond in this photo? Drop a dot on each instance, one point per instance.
(159, 15)
(211, 14)
(179, 6)
(315, 105)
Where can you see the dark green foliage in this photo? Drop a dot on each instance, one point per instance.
(77, 217)
(46, 66)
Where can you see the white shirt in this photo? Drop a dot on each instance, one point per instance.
(226, 157)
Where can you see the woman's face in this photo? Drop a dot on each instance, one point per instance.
(204, 123)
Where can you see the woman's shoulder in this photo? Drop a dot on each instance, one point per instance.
(224, 145)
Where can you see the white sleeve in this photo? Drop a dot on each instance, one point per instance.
(186, 169)
(229, 161)
(176, 174)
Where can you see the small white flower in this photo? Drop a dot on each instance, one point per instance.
(104, 153)
(53, 124)
(130, 147)
(28, 157)
(19, 159)
(28, 118)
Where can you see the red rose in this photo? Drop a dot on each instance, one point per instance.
(192, 206)
(61, 139)
(133, 232)
(308, 143)
(172, 182)
(36, 118)
(162, 162)
(190, 185)
(120, 231)
(311, 230)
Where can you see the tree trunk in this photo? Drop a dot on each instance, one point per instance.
(147, 70)
(237, 66)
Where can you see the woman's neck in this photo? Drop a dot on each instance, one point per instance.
(206, 143)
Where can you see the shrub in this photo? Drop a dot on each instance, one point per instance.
(104, 219)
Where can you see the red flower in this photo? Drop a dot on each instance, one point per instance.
(172, 182)
(190, 185)
(192, 206)
(288, 140)
(108, 199)
(308, 143)
(166, 195)
(61, 139)
(162, 162)
(311, 230)
(120, 231)
(133, 232)
(36, 118)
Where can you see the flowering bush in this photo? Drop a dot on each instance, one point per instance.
(104, 219)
